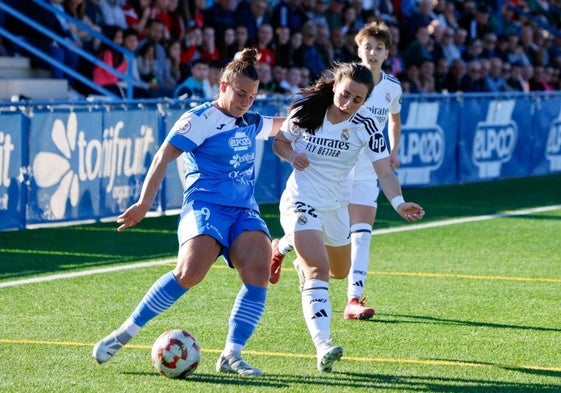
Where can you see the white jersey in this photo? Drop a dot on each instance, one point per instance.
(384, 100)
(332, 152)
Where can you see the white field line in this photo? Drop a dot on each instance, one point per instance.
(411, 227)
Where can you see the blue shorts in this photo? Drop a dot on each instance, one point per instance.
(224, 223)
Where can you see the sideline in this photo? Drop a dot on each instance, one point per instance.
(375, 232)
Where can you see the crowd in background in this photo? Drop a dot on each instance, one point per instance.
(180, 46)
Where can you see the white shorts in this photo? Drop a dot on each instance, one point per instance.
(298, 216)
(364, 188)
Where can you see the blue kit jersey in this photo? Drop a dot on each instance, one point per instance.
(219, 154)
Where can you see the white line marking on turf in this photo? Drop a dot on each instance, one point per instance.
(435, 224)
(84, 273)
(411, 227)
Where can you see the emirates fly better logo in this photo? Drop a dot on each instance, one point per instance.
(79, 159)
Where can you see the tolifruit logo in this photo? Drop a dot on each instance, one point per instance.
(553, 147)
(495, 139)
(79, 160)
(422, 145)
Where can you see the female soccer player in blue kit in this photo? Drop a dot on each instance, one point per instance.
(219, 215)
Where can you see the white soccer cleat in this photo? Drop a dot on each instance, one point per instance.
(328, 356)
(234, 363)
(104, 349)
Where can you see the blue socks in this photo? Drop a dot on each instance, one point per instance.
(246, 313)
(161, 296)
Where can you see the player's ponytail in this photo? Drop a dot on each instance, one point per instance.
(243, 65)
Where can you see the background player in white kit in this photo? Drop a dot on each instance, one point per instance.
(373, 41)
(322, 138)
(219, 215)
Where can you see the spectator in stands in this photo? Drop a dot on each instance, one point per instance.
(229, 47)
(418, 51)
(221, 16)
(194, 85)
(279, 73)
(267, 85)
(421, 17)
(177, 28)
(214, 77)
(173, 52)
(350, 24)
(526, 75)
(460, 39)
(449, 48)
(440, 71)
(471, 82)
(195, 13)
(340, 49)
(324, 44)
(445, 13)
(282, 46)
(264, 44)
(311, 51)
(537, 81)
(410, 82)
(485, 67)
(489, 45)
(291, 84)
(427, 83)
(137, 14)
(288, 13)
(296, 50)
(495, 82)
(317, 13)
(334, 14)
(130, 42)
(436, 32)
(209, 49)
(456, 72)
(515, 53)
(113, 14)
(61, 53)
(515, 79)
(77, 9)
(165, 84)
(305, 79)
(481, 23)
(113, 58)
(474, 51)
(242, 38)
(190, 49)
(252, 14)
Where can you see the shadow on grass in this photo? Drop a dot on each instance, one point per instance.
(371, 381)
(423, 319)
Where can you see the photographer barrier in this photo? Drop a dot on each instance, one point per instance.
(75, 162)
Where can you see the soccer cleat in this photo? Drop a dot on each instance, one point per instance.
(356, 309)
(104, 349)
(327, 357)
(300, 271)
(276, 263)
(234, 363)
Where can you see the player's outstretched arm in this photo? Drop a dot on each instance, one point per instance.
(154, 178)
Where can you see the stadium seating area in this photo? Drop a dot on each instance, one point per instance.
(179, 46)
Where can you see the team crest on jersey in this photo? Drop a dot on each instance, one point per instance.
(345, 134)
(388, 97)
(294, 129)
(185, 128)
(302, 219)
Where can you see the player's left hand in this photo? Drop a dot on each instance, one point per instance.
(410, 211)
(132, 216)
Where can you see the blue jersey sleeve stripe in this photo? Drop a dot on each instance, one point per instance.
(181, 142)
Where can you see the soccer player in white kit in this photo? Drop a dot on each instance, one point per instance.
(373, 41)
(322, 138)
(219, 215)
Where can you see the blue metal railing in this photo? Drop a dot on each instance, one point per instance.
(21, 42)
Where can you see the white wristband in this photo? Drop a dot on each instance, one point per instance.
(396, 201)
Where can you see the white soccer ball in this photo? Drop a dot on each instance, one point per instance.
(176, 354)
